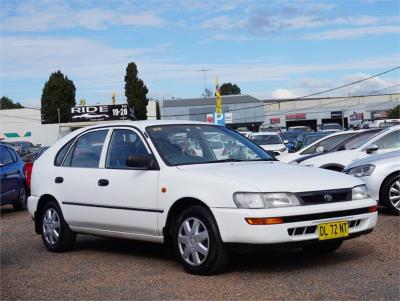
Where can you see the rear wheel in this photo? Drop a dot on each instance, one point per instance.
(22, 197)
(197, 243)
(56, 234)
(390, 193)
(323, 247)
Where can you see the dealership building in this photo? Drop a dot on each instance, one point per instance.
(247, 111)
(313, 112)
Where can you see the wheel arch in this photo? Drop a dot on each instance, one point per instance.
(333, 166)
(44, 199)
(177, 207)
(384, 182)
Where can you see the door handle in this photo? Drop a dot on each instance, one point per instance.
(59, 180)
(103, 182)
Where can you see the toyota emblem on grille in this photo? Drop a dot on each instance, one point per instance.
(327, 197)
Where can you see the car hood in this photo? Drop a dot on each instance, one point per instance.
(342, 158)
(273, 176)
(377, 159)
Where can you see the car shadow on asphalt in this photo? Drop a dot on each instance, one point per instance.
(7, 209)
(255, 262)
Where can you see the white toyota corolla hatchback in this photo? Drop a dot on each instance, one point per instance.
(138, 180)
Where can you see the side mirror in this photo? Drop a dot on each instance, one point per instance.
(320, 149)
(285, 141)
(144, 162)
(372, 148)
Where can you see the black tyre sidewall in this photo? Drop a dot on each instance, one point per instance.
(385, 194)
(66, 237)
(217, 257)
(20, 204)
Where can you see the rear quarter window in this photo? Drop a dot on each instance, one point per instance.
(62, 152)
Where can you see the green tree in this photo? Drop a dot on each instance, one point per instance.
(207, 93)
(58, 93)
(229, 89)
(6, 103)
(136, 92)
(395, 112)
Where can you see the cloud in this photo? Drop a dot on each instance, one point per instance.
(352, 33)
(43, 16)
(283, 94)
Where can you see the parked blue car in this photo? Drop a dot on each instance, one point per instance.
(12, 178)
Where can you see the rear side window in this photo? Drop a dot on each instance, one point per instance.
(87, 150)
(5, 156)
(62, 152)
(13, 154)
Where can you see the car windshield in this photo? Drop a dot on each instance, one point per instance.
(328, 143)
(360, 140)
(198, 144)
(266, 139)
(290, 136)
(314, 137)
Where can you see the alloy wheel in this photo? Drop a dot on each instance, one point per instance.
(394, 194)
(51, 226)
(193, 241)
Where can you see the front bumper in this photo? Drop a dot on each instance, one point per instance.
(298, 223)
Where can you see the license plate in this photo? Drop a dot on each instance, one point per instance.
(333, 230)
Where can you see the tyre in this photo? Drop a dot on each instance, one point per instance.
(323, 247)
(20, 204)
(56, 234)
(197, 243)
(390, 193)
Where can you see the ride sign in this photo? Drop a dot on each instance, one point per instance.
(100, 112)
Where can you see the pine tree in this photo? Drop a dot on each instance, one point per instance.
(58, 93)
(136, 92)
(6, 103)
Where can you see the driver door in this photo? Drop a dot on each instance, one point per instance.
(129, 194)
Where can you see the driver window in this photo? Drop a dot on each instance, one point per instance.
(123, 144)
(391, 140)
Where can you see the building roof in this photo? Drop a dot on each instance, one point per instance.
(197, 102)
(276, 100)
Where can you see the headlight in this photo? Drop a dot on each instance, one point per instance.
(361, 171)
(282, 149)
(359, 192)
(265, 200)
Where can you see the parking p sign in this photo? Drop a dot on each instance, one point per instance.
(219, 118)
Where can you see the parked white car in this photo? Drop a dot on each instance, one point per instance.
(381, 173)
(130, 180)
(270, 141)
(382, 142)
(322, 145)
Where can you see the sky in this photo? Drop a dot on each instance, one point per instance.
(270, 49)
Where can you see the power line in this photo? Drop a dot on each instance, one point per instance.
(298, 98)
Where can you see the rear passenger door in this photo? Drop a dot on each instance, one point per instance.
(75, 177)
(129, 194)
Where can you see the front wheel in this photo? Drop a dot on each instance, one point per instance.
(56, 234)
(197, 243)
(390, 194)
(323, 247)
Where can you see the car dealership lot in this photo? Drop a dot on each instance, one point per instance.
(104, 269)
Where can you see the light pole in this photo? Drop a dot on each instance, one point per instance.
(205, 78)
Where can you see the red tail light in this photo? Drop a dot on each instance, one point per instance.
(373, 209)
(28, 173)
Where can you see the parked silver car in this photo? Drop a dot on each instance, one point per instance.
(381, 173)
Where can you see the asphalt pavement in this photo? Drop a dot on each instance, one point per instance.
(366, 268)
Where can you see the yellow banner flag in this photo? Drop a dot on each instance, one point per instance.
(218, 99)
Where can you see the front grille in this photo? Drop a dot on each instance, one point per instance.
(324, 196)
(312, 229)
